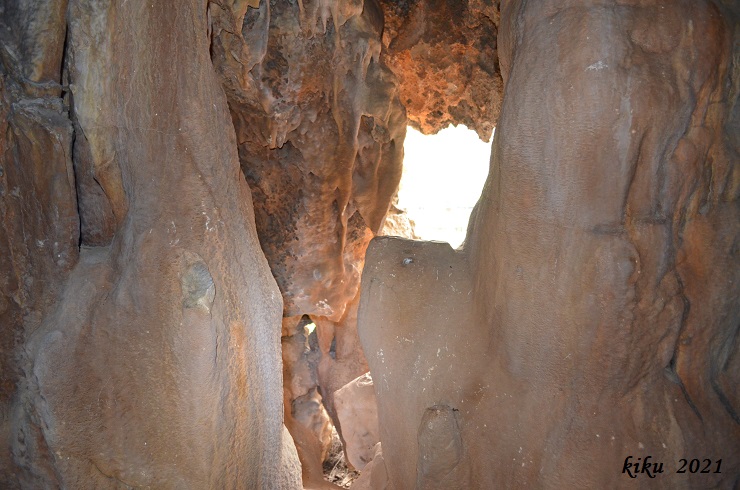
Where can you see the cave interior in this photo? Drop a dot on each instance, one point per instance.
(207, 280)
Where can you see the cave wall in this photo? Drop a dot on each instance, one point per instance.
(320, 103)
(143, 332)
(318, 120)
(126, 224)
(593, 312)
(320, 132)
(591, 315)
(317, 99)
(39, 224)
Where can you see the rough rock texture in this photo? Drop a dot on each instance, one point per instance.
(320, 130)
(398, 223)
(374, 476)
(39, 225)
(301, 356)
(440, 448)
(444, 54)
(593, 313)
(357, 412)
(320, 119)
(320, 126)
(342, 359)
(160, 356)
(305, 416)
(591, 316)
(129, 237)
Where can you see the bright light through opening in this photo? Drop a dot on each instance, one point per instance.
(443, 176)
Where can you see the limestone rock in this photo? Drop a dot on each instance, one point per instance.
(592, 314)
(357, 413)
(39, 224)
(374, 476)
(440, 449)
(301, 385)
(342, 358)
(418, 344)
(149, 356)
(444, 53)
(320, 130)
(398, 223)
(39, 233)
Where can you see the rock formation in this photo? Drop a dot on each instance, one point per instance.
(357, 413)
(320, 129)
(184, 183)
(592, 314)
(370, 479)
(142, 334)
(318, 121)
(444, 53)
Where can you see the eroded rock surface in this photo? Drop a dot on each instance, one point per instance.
(374, 476)
(152, 359)
(440, 449)
(357, 412)
(320, 130)
(419, 345)
(444, 53)
(591, 316)
(301, 356)
(317, 93)
(593, 312)
(39, 225)
(398, 223)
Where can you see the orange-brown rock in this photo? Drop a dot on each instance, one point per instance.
(320, 132)
(592, 314)
(39, 224)
(152, 359)
(301, 357)
(445, 57)
(342, 359)
(398, 223)
(421, 349)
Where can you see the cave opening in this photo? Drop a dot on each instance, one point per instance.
(207, 279)
(439, 201)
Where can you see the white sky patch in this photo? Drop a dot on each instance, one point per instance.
(443, 176)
